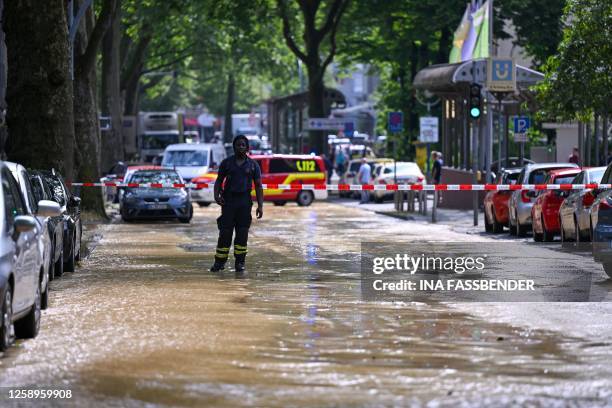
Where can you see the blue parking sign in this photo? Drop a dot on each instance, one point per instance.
(521, 124)
(396, 122)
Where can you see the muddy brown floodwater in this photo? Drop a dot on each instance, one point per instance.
(142, 323)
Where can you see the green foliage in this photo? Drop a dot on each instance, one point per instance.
(578, 79)
(538, 25)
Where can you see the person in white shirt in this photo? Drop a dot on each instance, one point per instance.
(363, 177)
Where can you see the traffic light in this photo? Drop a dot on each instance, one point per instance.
(475, 101)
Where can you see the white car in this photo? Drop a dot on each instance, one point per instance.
(33, 208)
(407, 173)
(193, 159)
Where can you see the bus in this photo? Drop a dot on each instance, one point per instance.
(157, 130)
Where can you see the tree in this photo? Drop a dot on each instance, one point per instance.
(538, 24)
(39, 92)
(318, 24)
(578, 79)
(86, 124)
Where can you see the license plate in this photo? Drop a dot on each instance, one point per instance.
(157, 206)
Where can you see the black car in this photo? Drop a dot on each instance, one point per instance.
(71, 211)
(56, 225)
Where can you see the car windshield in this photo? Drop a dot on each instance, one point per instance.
(596, 175)
(539, 175)
(195, 158)
(510, 177)
(159, 141)
(255, 144)
(155, 176)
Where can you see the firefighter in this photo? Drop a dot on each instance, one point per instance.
(239, 172)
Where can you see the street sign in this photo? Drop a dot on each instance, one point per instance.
(521, 125)
(429, 129)
(324, 124)
(501, 75)
(396, 122)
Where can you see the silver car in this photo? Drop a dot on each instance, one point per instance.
(21, 263)
(521, 201)
(32, 207)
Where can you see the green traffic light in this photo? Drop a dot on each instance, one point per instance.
(475, 112)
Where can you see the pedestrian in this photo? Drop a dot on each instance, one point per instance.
(574, 157)
(363, 177)
(436, 171)
(340, 162)
(239, 173)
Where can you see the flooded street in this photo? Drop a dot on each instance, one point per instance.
(143, 323)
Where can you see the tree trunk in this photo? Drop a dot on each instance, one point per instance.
(316, 107)
(229, 109)
(86, 122)
(112, 141)
(39, 92)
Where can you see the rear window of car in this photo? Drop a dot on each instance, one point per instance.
(57, 189)
(279, 165)
(162, 177)
(539, 175)
(596, 175)
(508, 177)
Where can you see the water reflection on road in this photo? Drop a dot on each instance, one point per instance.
(142, 322)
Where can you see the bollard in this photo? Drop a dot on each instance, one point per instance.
(434, 207)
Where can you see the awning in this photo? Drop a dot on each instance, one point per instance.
(452, 78)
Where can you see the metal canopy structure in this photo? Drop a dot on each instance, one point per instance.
(453, 78)
(465, 143)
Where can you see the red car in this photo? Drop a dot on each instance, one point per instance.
(545, 210)
(496, 202)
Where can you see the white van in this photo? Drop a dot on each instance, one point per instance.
(193, 159)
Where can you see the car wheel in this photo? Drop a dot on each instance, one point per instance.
(187, 219)
(7, 331)
(44, 298)
(537, 236)
(511, 226)
(576, 231)
(547, 236)
(608, 269)
(27, 327)
(564, 239)
(305, 198)
(279, 203)
(203, 204)
(521, 231)
(52, 266)
(378, 199)
(69, 262)
(488, 225)
(58, 268)
(591, 230)
(497, 227)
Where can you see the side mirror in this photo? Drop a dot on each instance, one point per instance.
(47, 208)
(75, 201)
(24, 223)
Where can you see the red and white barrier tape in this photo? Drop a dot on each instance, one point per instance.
(374, 187)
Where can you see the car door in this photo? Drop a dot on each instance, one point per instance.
(74, 209)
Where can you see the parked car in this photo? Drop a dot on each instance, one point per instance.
(513, 163)
(156, 203)
(55, 224)
(407, 173)
(70, 206)
(45, 245)
(353, 169)
(496, 202)
(575, 211)
(279, 169)
(521, 201)
(601, 223)
(21, 264)
(545, 210)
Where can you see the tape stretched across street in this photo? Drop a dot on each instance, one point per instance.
(370, 187)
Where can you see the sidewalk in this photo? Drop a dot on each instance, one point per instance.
(458, 220)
